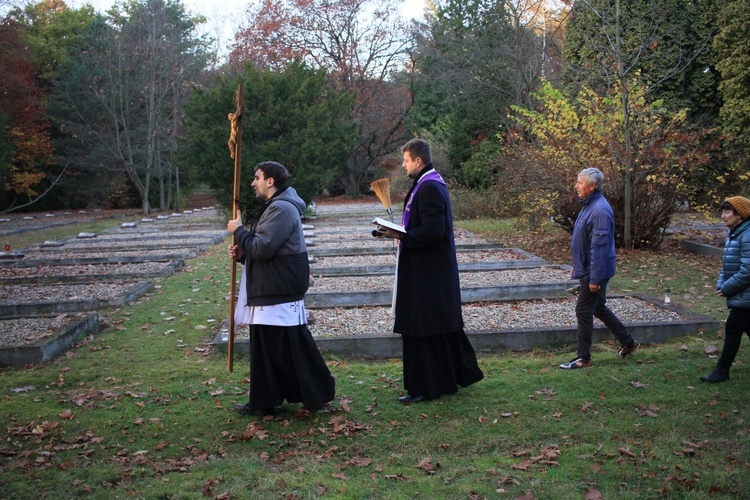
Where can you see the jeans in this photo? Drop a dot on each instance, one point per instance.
(594, 304)
(738, 323)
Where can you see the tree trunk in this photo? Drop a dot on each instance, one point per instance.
(177, 187)
(627, 195)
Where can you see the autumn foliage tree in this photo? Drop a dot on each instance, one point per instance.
(565, 136)
(361, 44)
(616, 43)
(25, 151)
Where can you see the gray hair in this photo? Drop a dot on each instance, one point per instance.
(593, 176)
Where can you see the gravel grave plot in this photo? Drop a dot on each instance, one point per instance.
(155, 235)
(95, 243)
(505, 316)
(19, 223)
(153, 267)
(363, 238)
(29, 331)
(25, 294)
(347, 209)
(64, 255)
(390, 259)
(468, 279)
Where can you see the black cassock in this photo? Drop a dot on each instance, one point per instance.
(438, 357)
(285, 364)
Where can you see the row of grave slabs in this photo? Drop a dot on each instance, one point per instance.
(343, 251)
(50, 294)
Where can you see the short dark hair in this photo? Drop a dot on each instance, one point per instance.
(418, 148)
(725, 205)
(274, 170)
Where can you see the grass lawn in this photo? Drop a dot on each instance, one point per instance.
(143, 410)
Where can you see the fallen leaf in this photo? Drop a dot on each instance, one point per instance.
(399, 477)
(426, 465)
(522, 465)
(711, 349)
(67, 414)
(592, 494)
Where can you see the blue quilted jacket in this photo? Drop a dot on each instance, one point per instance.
(734, 278)
(593, 242)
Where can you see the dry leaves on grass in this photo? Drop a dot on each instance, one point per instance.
(627, 453)
(427, 466)
(547, 456)
(711, 350)
(355, 462)
(589, 407)
(650, 410)
(592, 494)
(688, 450)
(254, 430)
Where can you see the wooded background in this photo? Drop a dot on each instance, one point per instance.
(129, 107)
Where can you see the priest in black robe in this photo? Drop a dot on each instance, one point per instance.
(437, 355)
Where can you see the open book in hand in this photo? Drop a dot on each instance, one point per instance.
(390, 225)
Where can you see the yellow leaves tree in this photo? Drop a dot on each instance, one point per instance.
(32, 152)
(563, 136)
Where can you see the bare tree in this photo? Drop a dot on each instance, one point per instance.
(628, 38)
(128, 86)
(361, 43)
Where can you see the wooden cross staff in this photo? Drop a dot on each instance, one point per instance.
(235, 151)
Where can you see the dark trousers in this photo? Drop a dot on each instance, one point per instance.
(738, 323)
(594, 304)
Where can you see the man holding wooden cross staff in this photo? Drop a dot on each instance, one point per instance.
(285, 363)
(284, 360)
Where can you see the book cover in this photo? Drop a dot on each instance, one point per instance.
(391, 225)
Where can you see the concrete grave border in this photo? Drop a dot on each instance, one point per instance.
(49, 349)
(35, 309)
(492, 341)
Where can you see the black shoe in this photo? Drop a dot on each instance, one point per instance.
(716, 376)
(245, 410)
(410, 399)
(626, 351)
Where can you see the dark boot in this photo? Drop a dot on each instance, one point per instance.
(718, 375)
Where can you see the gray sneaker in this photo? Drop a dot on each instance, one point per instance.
(576, 363)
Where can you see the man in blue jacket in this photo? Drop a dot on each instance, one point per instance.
(593, 249)
(734, 283)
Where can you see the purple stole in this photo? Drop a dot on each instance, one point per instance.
(432, 175)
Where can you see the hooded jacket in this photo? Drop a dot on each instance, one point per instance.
(274, 250)
(593, 242)
(734, 277)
